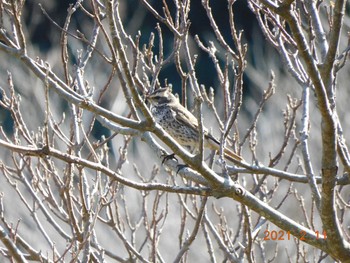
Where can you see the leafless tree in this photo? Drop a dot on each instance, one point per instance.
(69, 194)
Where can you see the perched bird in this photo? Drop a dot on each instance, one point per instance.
(181, 124)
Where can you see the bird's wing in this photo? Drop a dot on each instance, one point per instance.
(185, 117)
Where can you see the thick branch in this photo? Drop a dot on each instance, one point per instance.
(340, 248)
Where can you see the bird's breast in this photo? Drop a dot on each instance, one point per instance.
(161, 113)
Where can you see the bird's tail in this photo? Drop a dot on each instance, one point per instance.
(232, 156)
(228, 154)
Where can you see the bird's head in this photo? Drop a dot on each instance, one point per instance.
(161, 96)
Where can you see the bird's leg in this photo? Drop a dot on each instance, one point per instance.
(180, 167)
(168, 157)
(172, 156)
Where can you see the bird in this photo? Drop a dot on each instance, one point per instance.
(181, 124)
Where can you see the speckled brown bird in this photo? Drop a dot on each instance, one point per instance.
(181, 124)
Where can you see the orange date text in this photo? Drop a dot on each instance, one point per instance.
(278, 235)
